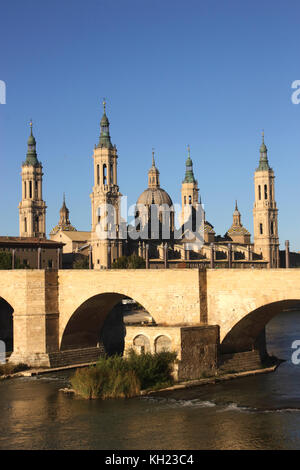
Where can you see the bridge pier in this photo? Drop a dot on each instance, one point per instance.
(36, 321)
(196, 346)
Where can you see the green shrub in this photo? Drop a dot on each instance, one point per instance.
(152, 369)
(129, 262)
(81, 263)
(118, 377)
(110, 378)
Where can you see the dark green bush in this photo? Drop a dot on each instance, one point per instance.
(129, 262)
(118, 377)
(152, 369)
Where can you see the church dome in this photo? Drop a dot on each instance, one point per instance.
(155, 196)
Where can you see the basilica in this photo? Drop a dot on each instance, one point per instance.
(193, 244)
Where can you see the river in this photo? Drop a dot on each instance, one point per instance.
(261, 412)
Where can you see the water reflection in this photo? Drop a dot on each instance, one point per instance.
(260, 412)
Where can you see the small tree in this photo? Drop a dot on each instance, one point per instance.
(5, 260)
(81, 263)
(129, 262)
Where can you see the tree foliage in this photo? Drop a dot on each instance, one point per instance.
(129, 262)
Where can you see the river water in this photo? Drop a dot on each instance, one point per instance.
(261, 412)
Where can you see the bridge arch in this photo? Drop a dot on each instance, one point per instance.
(6, 323)
(249, 332)
(82, 330)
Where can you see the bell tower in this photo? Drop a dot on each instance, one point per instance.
(32, 208)
(265, 212)
(189, 190)
(105, 199)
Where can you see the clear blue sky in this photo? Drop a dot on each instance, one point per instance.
(211, 74)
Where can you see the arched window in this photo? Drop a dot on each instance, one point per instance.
(25, 225)
(272, 228)
(162, 343)
(104, 174)
(111, 173)
(30, 189)
(266, 191)
(259, 192)
(190, 199)
(261, 229)
(98, 175)
(25, 190)
(141, 344)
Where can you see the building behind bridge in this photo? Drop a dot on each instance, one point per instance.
(233, 249)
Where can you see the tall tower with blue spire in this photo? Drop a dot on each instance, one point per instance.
(32, 208)
(105, 198)
(189, 188)
(265, 212)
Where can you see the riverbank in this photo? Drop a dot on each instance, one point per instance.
(177, 386)
(211, 380)
(196, 383)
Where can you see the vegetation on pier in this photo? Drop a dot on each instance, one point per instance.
(129, 262)
(10, 368)
(124, 377)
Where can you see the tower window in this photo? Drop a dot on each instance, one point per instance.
(30, 189)
(111, 173)
(190, 199)
(266, 192)
(25, 225)
(259, 192)
(272, 228)
(36, 190)
(184, 200)
(98, 175)
(261, 229)
(25, 190)
(104, 174)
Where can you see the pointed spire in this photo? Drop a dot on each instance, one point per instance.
(64, 201)
(64, 220)
(236, 216)
(104, 140)
(31, 156)
(153, 161)
(189, 174)
(153, 174)
(64, 213)
(263, 161)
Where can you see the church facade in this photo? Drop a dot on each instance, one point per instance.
(154, 235)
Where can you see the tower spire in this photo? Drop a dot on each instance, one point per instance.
(104, 140)
(189, 174)
(263, 161)
(153, 174)
(31, 156)
(153, 161)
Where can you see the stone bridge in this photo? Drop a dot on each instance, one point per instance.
(202, 313)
